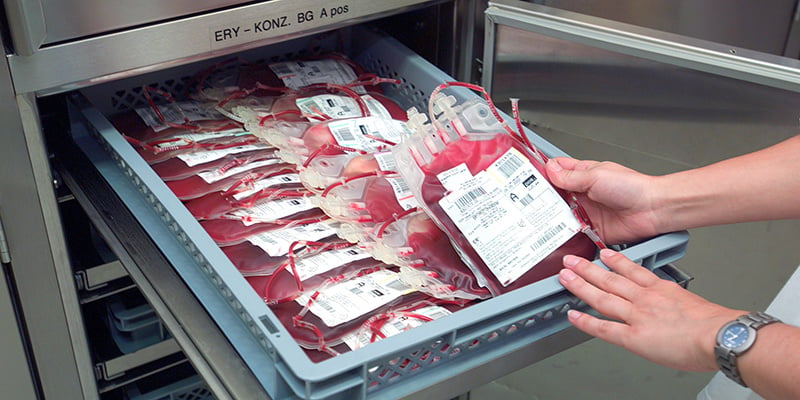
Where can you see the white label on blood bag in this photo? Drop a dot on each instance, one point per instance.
(325, 261)
(297, 74)
(205, 156)
(338, 107)
(271, 210)
(352, 298)
(368, 133)
(176, 113)
(511, 216)
(400, 322)
(268, 182)
(276, 243)
(215, 176)
(385, 161)
(402, 193)
(453, 178)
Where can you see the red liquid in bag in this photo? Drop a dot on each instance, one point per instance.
(175, 168)
(281, 286)
(478, 155)
(227, 232)
(195, 186)
(311, 332)
(433, 248)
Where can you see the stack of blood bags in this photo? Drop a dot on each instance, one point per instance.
(279, 166)
(484, 184)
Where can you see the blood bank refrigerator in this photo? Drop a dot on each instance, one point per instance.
(112, 290)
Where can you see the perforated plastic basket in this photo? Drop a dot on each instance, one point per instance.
(392, 368)
(134, 327)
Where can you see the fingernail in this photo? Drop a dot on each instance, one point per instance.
(570, 260)
(604, 253)
(573, 315)
(554, 166)
(567, 275)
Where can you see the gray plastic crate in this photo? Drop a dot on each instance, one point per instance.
(134, 327)
(398, 366)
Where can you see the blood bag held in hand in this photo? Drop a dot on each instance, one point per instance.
(489, 193)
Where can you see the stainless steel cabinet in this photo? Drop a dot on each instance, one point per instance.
(45, 66)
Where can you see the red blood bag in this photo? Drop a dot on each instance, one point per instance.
(320, 319)
(426, 257)
(200, 185)
(246, 192)
(227, 232)
(489, 193)
(370, 198)
(324, 168)
(309, 268)
(390, 323)
(184, 166)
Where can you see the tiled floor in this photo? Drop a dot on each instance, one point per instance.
(740, 265)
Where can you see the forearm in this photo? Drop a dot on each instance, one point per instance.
(772, 366)
(764, 185)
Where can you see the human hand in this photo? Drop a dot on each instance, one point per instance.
(618, 199)
(653, 318)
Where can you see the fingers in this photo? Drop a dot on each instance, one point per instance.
(570, 174)
(627, 268)
(602, 279)
(606, 302)
(609, 331)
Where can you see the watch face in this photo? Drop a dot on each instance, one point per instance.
(735, 336)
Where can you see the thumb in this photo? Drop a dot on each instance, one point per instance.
(570, 174)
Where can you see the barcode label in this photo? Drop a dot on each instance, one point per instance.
(549, 234)
(324, 304)
(398, 285)
(352, 298)
(281, 69)
(276, 243)
(297, 74)
(326, 261)
(467, 199)
(510, 165)
(356, 290)
(518, 223)
(271, 210)
(396, 325)
(343, 134)
(528, 199)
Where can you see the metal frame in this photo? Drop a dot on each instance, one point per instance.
(58, 354)
(747, 65)
(76, 64)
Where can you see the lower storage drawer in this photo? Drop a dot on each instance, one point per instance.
(475, 338)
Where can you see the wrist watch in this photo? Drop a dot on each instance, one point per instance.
(735, 338)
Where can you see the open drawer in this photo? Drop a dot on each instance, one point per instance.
(452, 354)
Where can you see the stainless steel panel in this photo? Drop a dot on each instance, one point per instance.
(756, 25)
(131, 52)
(613, 83)
(14, 376)
(602, 41)
(39, 262)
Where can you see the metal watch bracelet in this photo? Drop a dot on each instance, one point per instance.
(727, 359)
